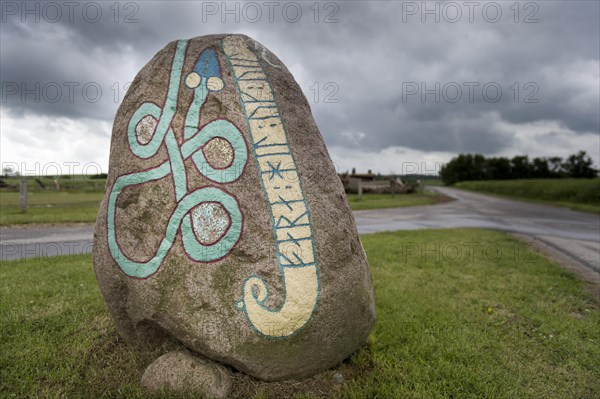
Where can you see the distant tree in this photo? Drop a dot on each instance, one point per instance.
(9, 171)
(555, 166)
(449, 173)
(99, 176)
(463, 167)
(497, 168)
(476, 167)
(520, 167)
(540, 168)
(580, 165)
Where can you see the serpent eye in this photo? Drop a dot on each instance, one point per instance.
(215, 83)
(193, 80)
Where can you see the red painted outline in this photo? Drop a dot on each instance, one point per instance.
(137, 138)
(232, 247)
(179, 233)
(232, 158)
(116, 230)
(232, 154)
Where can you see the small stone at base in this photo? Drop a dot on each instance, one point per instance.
(184, 372)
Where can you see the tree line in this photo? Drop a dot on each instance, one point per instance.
(477, 167)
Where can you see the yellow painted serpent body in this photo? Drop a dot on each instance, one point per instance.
(292, 227)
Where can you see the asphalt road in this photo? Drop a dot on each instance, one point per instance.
(25, 241)
(572, 236)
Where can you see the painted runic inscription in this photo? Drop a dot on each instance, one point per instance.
(292, 227)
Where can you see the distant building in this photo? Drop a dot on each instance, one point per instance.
(372, 183)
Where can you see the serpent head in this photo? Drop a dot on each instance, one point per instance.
(206, 71)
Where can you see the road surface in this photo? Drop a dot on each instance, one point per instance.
(23, 241)
(574, 236)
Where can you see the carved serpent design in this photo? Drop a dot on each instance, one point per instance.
(192, 147)
(280, 180)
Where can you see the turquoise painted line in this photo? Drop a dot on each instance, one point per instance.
(193, 116)
(207, 253)
(226, 130)
(177, 166)
(164, 116)
(129, 267)
(200, 252)
(194, 141)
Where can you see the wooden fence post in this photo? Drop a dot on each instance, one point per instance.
(360, 189)
(23, 194)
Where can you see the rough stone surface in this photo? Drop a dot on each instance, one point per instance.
(224, 223)
(185, 373)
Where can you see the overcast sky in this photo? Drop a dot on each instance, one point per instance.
(394, 86)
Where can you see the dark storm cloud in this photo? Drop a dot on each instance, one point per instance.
(371, 57)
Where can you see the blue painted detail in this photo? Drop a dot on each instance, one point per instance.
(207, 65)
(223, 129)
(291, 223)
(265, 117)
(264, 107)
(286, 203)
(273, 153)
(258, 143)
(275, 170)
(294, 239)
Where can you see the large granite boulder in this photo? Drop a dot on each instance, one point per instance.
(224, 223)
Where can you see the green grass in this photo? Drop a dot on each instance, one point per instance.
(472, 313)
(71, 183)
(460, 314)
(379, 201)
(71, 207)
(433, 182)
(50, 207)
(576, 194)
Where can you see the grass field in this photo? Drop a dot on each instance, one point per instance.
(50, 207)
(77, 201)
(460, 314)
(379, 201)
(577, 194)
(433, 182)
(70, 183)
(81, 206)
